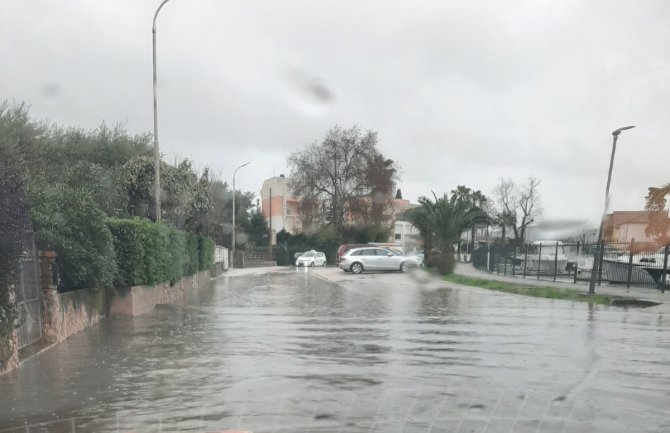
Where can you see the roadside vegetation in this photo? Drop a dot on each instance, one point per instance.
(534, 291)
(87, 194)
(441, 221)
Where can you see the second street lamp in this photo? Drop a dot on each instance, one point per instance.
(233, 241)
(597, 259)
(157, 153)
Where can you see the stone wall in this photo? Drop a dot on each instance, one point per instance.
(138, 300)
(64, 314)
(9, 354)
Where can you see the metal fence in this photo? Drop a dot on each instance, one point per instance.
(631, 264)
(221, 256)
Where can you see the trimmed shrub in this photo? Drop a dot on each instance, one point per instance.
(281, 256)
(150, 253)
(192, 253)
(130, 251)
(206, 252)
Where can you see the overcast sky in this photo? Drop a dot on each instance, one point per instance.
(460, 92)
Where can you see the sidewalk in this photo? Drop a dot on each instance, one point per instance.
(645, 294)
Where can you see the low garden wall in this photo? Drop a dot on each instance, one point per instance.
(138, 300)
(9, 353)
(64, 314)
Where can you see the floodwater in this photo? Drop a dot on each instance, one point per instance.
(290, 352)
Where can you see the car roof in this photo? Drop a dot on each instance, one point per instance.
(369, 247)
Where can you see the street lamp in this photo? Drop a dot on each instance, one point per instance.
(232, 264)
(157, 153)
(599, 251)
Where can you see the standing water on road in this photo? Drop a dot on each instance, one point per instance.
(291, 352)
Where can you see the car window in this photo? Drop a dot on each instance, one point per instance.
(308, 255)
(356, 253)
(368, 252)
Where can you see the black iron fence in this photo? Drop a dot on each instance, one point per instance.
(630, 264)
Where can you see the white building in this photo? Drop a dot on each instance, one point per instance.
(406, 236)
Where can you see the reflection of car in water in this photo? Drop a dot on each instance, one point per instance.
(544, 256)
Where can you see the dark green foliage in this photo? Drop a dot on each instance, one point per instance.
(282, 237)
(363, 234)
(130, 251)
(281, 256)
(206, 252)
(14, 224)
(257, 228)
(441, 223)
(326, 240)
(150, 253)
(68, 221)
(193, 254)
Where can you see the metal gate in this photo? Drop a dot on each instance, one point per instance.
(29, 295)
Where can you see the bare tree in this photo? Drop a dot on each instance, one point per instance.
(519, 206)
(347, 174)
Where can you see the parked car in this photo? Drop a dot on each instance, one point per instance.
(311, 258)
(296, 255)
(346, 247)
(358, 260)
(418, 255)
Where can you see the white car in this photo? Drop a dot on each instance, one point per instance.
(376, 259)
(311, 258)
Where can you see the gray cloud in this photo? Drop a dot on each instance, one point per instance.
(460, 92)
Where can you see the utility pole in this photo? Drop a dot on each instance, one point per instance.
(270, 226)
(233, 242)
(599, 251)
(157, 153)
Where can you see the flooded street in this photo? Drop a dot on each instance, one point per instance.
(292, 352)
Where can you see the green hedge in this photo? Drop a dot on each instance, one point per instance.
(148, 253)
(206, 256)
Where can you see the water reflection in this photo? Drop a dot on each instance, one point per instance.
(291, 352)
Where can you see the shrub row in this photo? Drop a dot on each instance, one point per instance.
(149, 253)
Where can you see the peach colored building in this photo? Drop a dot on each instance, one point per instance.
(281, 208)
(625, 226)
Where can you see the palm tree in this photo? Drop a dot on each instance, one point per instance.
(442, 221)
(659, 223)
(420, 217)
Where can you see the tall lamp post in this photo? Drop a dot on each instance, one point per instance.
(232, 264)
(599, 251)
(157, 153)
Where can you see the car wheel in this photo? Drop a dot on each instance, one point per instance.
(356, 268)
(311, 265)
(324, 264)
(403, 267)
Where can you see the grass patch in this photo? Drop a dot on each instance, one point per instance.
(537, 292)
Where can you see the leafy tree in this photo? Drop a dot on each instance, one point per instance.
(257, 228)
(346, 173)
(477, 204)
(68, 221)
(283, 236)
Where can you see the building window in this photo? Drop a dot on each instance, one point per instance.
(398, 236)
